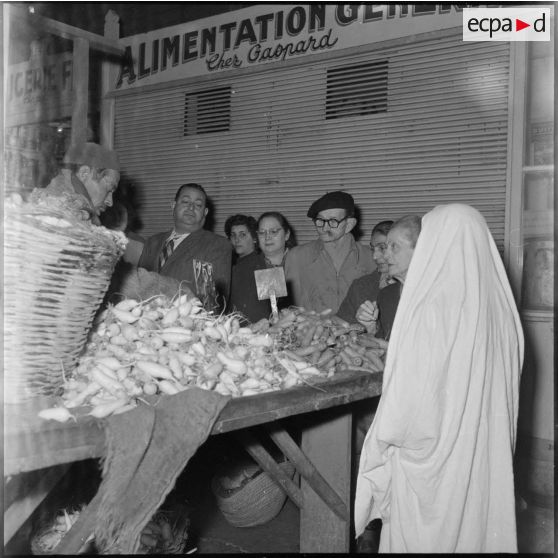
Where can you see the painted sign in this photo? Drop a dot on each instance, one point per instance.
(39, 89)
(269, 33)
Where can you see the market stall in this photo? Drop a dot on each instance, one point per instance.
(385, 102)
(38, 445)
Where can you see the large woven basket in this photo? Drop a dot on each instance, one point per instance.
(56, 272)
(254, 503)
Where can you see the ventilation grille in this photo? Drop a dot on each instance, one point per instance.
(207, 112)
(357, 90)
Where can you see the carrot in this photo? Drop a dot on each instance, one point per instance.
(370, 341)
(304, 351)
(293, 356)
(339, 321)
(316, 355)
(346, 359)
(375, 360)
(318, 332)
(325, 359)
(350, 350)
(308, 335)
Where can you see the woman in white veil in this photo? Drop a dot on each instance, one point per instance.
(436, 465)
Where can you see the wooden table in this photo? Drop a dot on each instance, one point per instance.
(35, 445)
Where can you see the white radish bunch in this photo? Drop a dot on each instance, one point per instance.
(164, 346)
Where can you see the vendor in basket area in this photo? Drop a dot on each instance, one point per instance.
(90, 176)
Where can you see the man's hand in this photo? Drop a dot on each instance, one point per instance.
(367, 315)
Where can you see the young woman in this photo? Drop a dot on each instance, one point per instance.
(241, 231)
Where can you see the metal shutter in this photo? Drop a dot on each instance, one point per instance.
(443, 138)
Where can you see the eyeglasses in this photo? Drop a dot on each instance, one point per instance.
(270, 232)
(333, 223)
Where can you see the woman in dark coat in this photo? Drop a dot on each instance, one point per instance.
(275, 238)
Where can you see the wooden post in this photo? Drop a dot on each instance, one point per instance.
(270, 466)
(108, 77)
(307, 470)
(80, 71)
(327, 443)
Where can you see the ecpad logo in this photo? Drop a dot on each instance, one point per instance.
(507, 24)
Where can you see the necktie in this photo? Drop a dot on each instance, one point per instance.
(166, 252)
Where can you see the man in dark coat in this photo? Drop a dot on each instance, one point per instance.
(190, 253)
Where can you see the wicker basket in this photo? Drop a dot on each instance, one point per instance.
(256, 502)
(56, 272)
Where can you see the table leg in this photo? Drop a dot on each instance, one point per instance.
(326, 441)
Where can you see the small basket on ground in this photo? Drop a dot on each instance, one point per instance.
(57, 269)
(251, 497)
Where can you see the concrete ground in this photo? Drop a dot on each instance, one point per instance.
(280, 535)
(210, 533)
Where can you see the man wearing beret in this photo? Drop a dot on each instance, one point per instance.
(89, 179)
(320, 272)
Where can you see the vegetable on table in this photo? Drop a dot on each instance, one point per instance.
(166, 345)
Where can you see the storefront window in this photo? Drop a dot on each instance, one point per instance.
(39, 103)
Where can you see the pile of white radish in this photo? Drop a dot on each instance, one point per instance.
(164, 346)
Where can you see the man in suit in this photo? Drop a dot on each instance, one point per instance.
(190, 253)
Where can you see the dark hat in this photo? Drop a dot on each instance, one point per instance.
(332, 200)
(92, 155)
